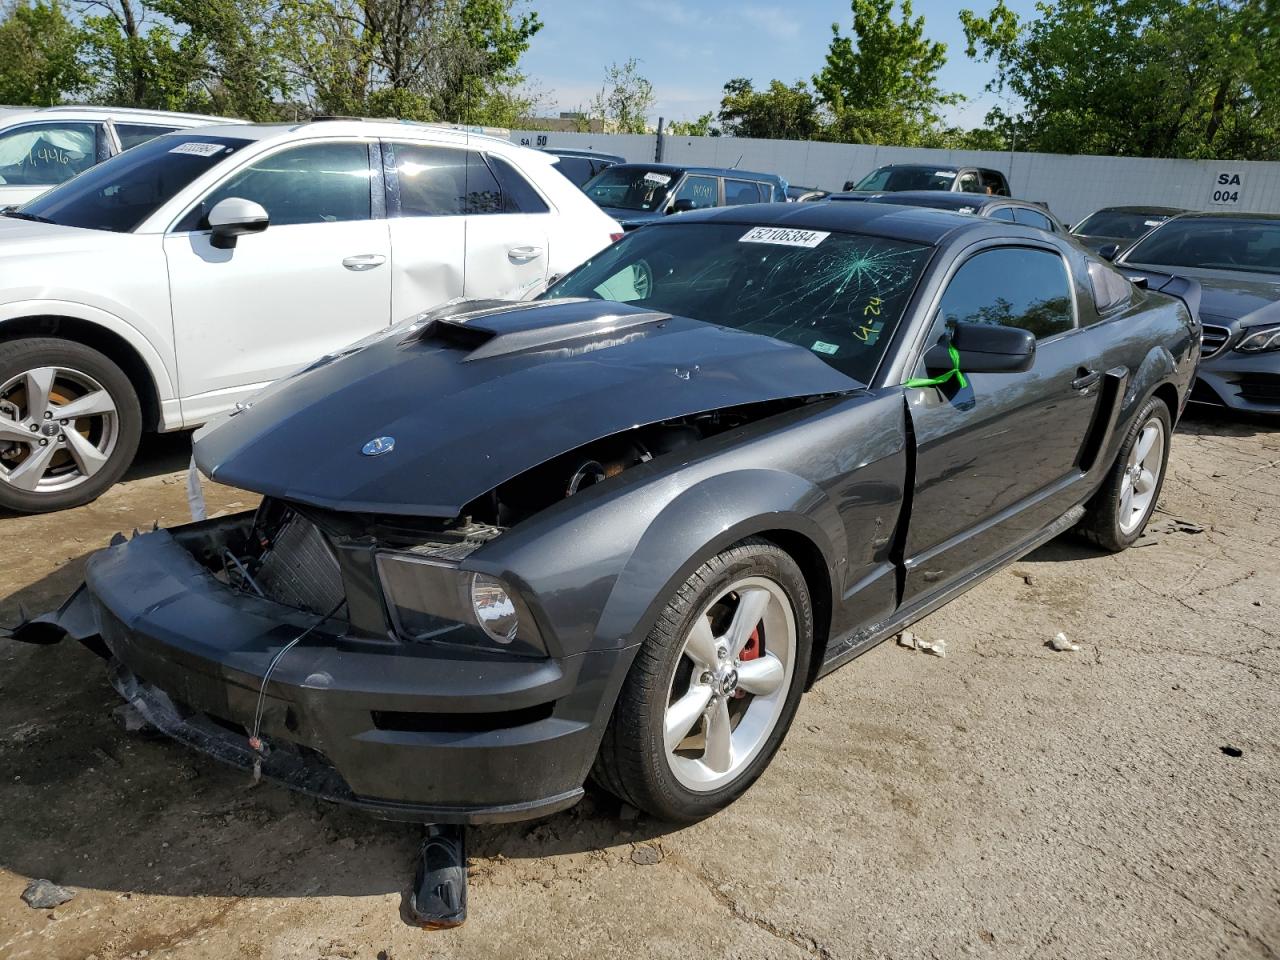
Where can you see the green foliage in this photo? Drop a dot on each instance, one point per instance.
(779, 113)
(701, 127)
(1162, 78)
(624, 102)
(880, 84)
(38, 54)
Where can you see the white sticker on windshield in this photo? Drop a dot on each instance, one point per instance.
(661, 178)
(945, 174)
(786, 236)
(1152, 223)
(199, 149)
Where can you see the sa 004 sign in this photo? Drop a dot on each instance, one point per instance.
(1227, 187)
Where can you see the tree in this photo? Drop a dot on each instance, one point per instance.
(38, 54)
(880, 84)
(624, 101)
(700, 127)
(779, 113)
(136, 58)
(1161, 78)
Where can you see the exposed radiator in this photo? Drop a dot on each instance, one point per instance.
(301, 569)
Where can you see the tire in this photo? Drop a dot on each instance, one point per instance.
(1110, 524)
(634, 763)
(66, 470)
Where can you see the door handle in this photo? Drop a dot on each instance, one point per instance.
(1086, 379)
(364, 261)
(524, 254)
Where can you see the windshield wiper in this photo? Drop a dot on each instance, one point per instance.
(33, 217)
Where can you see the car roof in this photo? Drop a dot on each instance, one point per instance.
(942, 199)
(709, 171)
(133, 112)
(891, 221)
(1143, 209)
(1227, 215)
(588, 154)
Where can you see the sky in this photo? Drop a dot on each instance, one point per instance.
(689, 48)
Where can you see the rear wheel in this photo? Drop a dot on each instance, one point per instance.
(714, 687)
(69, 424)
(1119, 512)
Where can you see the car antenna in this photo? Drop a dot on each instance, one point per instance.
(738, 161)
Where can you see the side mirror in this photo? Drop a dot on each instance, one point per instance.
(1109, 252)
(683, 205)
(232, 218)
(985, 348)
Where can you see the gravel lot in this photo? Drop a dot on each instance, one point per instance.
(1006, 801)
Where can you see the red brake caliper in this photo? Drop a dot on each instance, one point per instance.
(753, 649)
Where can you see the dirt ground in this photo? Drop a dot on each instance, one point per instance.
(1006, 801)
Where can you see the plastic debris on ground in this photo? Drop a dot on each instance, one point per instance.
(45, 895)
(1062, 644)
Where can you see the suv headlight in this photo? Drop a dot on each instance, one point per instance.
(1260, 341)
(432, 600)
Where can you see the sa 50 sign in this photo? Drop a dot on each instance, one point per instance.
(1226, 188)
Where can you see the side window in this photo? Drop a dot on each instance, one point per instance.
(1029, 218)
(47, 153)
(1003, 213)
(1013, 287)
(703, 191)
(1110, 289)
(738, 192)
(432, 180)
(311, 183)
(518, 195)
(968, 183)
(993, 183)
(484, 194)
(577, 170)
(132, 134)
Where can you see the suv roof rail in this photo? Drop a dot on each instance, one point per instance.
(331, 117)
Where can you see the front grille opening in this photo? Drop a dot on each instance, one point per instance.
(1212, 339)
(406, 722)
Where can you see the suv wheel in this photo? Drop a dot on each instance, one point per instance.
(69, 424)
(713, 688)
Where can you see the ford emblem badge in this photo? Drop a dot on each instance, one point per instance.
(378, 446)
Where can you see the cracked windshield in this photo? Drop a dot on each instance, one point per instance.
(838, 295)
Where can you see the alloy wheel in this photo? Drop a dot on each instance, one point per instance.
(1142, 475)
(730, 683)
(58, 428)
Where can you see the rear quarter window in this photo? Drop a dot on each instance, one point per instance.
(1110, 290)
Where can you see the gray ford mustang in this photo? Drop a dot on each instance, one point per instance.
(617, 532)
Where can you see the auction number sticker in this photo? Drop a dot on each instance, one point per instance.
(1227, 185)
(661, 178)
(785, 236)
(199, 149)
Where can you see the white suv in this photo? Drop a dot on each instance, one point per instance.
(43, 147)
(157, 289)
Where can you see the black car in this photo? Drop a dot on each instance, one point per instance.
(579, 166)
(797, 194)
(1236, 259)
(919, 176)
(638, 193)
(1117, 227)
(998, 208)
(617, 532)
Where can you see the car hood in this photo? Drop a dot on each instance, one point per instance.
(25, 237)
(479, 393)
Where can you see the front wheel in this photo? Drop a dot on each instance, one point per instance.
(1119, 512)
(69, 424)
(713, 688)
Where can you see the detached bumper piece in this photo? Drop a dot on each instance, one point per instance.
(406, 731)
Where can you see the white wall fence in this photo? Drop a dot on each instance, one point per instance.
(1072, 186)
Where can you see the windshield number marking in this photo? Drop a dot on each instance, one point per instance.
(784, 236)
(199, 149)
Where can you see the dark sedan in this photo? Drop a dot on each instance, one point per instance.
(1236, 259)
(1117, 227)
(618, 532)
(997, 208)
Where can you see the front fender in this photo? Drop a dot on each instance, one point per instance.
(157, 365)
(702, 521)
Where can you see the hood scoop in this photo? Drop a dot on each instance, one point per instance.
(576, 325)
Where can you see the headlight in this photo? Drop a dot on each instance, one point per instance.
(430, 599)
(1260, 341)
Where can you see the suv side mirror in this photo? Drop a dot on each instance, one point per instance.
(683, 205)
(1109, 252)
(985, 348)
(234, 217)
